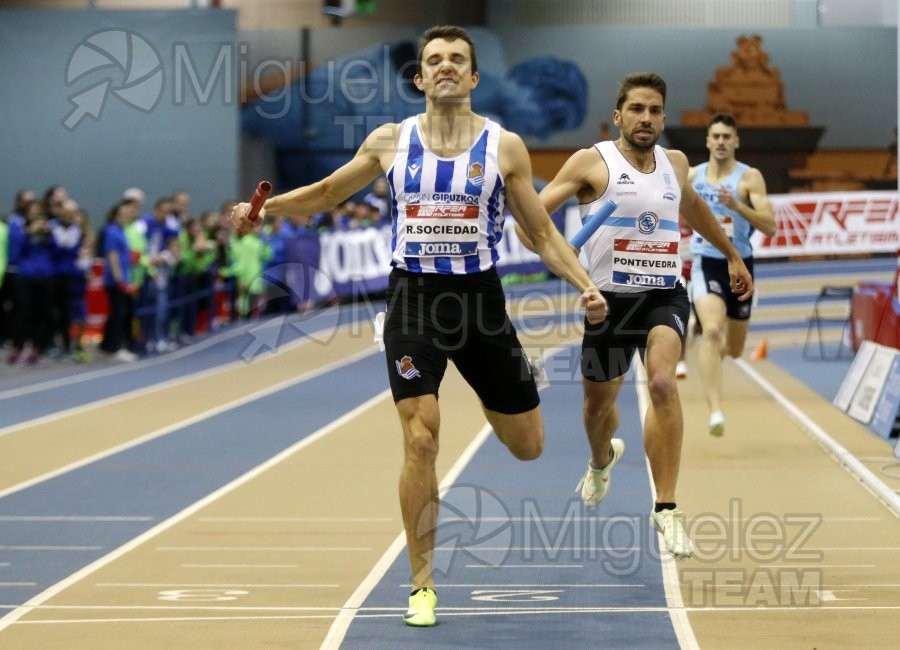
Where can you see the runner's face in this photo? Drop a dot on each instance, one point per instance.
(641, 119)
(722, 141)
(446, 69)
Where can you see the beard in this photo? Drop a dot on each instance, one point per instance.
(635, 146)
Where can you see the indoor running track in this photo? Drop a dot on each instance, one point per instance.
(229, 496)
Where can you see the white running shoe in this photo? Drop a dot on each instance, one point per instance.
(671, 524)
(595, 483)
(681, 370)
(716, 424)
(125, 355)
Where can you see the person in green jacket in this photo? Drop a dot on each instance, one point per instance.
(198, 254)
(248, 253)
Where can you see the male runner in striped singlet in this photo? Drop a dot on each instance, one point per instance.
(634, 261)
(451, 174)
(736, 193)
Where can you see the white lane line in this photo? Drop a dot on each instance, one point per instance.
(671, 583)
(396, 610)
(292, 520)
(312, 374)
(822, 518)
(531, 550)
(18, 584)
(51, 548)
(176, 619)
(154, 585)
(839, 453)
(240, 566)
(523, 566)
(214, 339)
(838, 610)
(341, 624)
(528, 520)
(345, 617)
(518, 611)
(75, 518)
(816, 565)
(513, 585)
(268, 549)
(181, 608)
(197, 506)
(840, 587)
(170, 383)
(119, 369)
(806, 549)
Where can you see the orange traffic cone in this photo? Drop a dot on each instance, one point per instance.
(761, 351)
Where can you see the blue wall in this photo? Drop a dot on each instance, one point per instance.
(160, 137)
(846, 78)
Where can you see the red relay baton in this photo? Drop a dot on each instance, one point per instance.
(259, 197)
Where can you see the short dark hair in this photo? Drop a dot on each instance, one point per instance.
(640, 80)
(723, 118)
(450, 33)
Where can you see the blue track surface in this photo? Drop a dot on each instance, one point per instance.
(21, 401)
(157, 479)
(519, 557)
(531, 564)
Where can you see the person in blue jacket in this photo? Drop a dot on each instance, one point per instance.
(34, 286)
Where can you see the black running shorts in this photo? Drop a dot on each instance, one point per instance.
(607, 347)
(709, 275)
(432, 318)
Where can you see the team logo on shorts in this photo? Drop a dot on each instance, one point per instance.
(679, 323)
(475, 174)
(715, 287)
(647, 222)
(406, 369)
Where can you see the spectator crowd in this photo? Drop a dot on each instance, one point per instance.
(166, 273)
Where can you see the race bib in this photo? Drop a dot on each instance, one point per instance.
(650, 264)
(441, 229)
(727, 225)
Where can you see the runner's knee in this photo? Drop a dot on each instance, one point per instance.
(527, 447)
(713, 332)
(662, 389)
(420, 445)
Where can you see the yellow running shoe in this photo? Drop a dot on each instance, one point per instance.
(421, 608)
